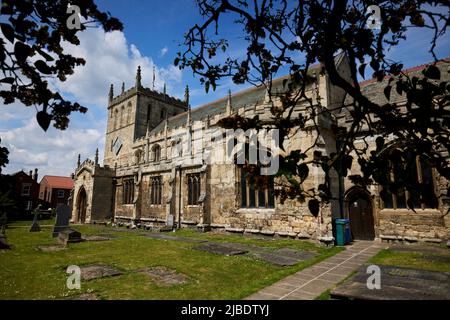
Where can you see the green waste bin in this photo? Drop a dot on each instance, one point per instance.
(342, 231)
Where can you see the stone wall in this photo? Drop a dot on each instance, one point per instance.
(220, 207)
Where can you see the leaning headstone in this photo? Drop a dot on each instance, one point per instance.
(63, 213)
(3, 221)
(35, 227)
(3, 244)
(69, 236)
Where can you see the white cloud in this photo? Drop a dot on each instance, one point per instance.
(53, 152)
(109, 59)
(163, 51)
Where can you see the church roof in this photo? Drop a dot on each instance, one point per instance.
(373, 89)
(249, 97)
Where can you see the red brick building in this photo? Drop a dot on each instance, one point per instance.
(55, 190)
(25, 190)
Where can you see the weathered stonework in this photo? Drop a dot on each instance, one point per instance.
(145, 120)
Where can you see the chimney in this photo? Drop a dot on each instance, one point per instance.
(72, 176)
(35, 177)
(31, 173)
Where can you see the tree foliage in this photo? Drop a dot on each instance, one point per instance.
(277, 33)
(32, 52)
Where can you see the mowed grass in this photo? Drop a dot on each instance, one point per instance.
(413, 260)
(26, 273)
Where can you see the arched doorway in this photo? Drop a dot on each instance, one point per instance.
(360, 213)
(81, 205)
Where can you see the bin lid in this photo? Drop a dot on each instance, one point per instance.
(342, 221)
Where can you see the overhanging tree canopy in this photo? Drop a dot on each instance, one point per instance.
(277, 33)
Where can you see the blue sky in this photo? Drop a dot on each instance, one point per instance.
(153, 31)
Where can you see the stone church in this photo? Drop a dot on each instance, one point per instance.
(150, 179)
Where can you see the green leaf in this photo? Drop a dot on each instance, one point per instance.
(432, 72)
(387, 92)
(42, 67)
(303, 171)
(44, 54)
(374, 64)
(2, 53)
(21, 51)
(8, 31)
(417, 20)
(380, 143)
(361, 70)
(43, 119)
(399, 88)
(313, 206)
(9, 80)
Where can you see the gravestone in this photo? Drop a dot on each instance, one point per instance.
(50, 248)
(98, 270)
(397, 283)
(3, 222)
(3, 244)
(219, 248)
(69, 236)
(63, 214)
(164, 276)
(170, 221)
(35, 227)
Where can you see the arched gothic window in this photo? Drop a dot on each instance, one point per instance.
(122, 115)
(156, 186)
(129, 113)
(256, 192)
(416, 174)
(128, 191)
(193, 188)
(156, 153)
(116, 115)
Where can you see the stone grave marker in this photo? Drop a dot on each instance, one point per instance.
(3, 243)
(69, 236)
(164, 276)
(63, 213)
(98, 270)
(35, 227)
(170, 221)
(219, 248)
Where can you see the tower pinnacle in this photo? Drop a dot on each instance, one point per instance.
(229, 103)
(138, 77)
(186, 96)
(111, 92)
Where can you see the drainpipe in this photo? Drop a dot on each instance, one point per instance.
(341, 191)
(179, 197)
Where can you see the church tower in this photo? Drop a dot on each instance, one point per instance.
(131, 114)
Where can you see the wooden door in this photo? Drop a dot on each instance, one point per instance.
(361, 217)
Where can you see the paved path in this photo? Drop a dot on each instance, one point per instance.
(311, 282)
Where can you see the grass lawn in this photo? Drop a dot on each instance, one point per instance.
(414, 260)
(26, 273)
